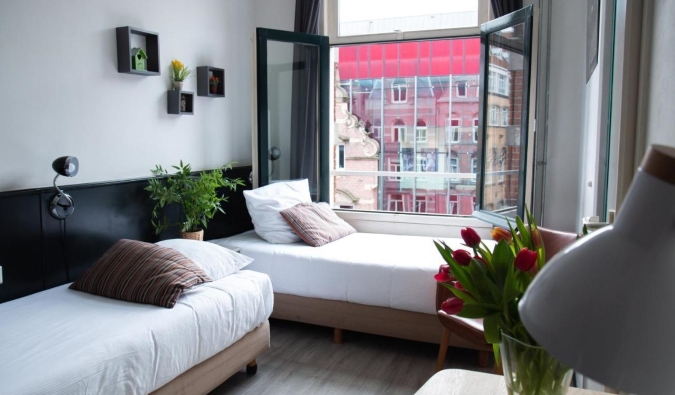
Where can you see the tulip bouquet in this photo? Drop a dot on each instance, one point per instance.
(489, 284)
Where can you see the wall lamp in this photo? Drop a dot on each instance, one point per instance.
(62, 205)
(604, 305)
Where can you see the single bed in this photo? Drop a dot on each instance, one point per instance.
(62, 341)
(373, 283)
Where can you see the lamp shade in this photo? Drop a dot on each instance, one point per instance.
(604, 305)
(66, 166)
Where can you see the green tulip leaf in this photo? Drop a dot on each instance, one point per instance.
(491, 328)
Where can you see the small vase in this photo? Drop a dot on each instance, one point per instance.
(199, 235)
(177, 85)
(214, 89)
(531, 370)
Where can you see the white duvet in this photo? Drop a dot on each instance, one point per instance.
(372, 269)
(62, 341)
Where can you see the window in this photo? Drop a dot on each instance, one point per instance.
(453, 204)
(461, 89)
(498, 80)
(454, 165)
(474, 130)
(393, 165)
(502, 88)
(474, 165)
(494, 116)
(505, 116)
(453, 134)
(376, 129)
(398, 131)
(421, 132)
(399, 91)
(341, 156)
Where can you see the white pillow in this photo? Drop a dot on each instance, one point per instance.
(265, 203)
(216, 261)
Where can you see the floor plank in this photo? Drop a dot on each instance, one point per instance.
(304, 360)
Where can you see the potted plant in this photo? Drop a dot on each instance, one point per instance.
(196, 194)
(179, 73)
(213, 82)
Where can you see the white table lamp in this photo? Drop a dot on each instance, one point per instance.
(605, 306)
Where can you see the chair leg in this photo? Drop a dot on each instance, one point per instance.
(337, 336)
(443, 350)
(483, 358)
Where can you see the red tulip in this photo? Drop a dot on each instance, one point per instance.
(462, 257)
(537, 242)
(525, 260)
(481, 260)
(444, 275)
(452, 306)
(499, 234)
(459, 286)
(470, 237)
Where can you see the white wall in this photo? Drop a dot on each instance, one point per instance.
(661, 101)
(62, 94)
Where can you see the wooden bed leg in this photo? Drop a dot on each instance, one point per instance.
(252, 368)
(483, 357)
(443, 350)
(337, 335)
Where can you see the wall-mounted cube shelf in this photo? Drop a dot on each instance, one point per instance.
(124, 47)
(174, 102)
(204, 73)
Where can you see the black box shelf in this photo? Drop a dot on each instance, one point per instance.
(203, 86)
(124, 51)
(173, 102)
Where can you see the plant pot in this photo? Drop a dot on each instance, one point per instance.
(531, 370)
(214, 89)
(199, 235)
(177, 85)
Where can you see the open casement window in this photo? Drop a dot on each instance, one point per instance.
(502, 146)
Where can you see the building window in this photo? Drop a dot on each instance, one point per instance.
(494, 116)
(498, 80)
(505, 116)
(452, 130)
(376, 129)
(421, 132)
(454, 165)
(502, 88)
(474, 165)
(399, 91)
(474, 130)
(453, 204)
(398, 131)
(393, 165)
(341, 156)
(461, 89)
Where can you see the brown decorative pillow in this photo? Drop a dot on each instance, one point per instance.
(141, 272)
(316, 223)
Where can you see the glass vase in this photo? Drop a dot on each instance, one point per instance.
(531, 370)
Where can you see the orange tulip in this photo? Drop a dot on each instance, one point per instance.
(499, 234)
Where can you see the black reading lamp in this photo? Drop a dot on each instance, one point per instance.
(62, 205)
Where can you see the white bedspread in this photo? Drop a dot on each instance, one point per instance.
(372, 269)
(62, 341)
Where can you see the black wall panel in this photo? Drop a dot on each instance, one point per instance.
(38, 252)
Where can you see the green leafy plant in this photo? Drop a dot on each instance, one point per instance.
(180, 71)
(196, 194)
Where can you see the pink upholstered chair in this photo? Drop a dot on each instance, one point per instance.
(472, 329)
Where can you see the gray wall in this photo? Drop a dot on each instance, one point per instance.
(661, 97)
(62, 94)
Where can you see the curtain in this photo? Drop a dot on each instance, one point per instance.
(503, 7)
(304, 102)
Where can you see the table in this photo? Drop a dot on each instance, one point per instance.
(462, 382)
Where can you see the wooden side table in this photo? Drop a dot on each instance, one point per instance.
(459, 382)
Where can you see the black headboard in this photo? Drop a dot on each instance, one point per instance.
(38, 252)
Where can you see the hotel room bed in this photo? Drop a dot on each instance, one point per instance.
(366, 282)
(62, 341)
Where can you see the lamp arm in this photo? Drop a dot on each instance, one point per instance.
(55, 186)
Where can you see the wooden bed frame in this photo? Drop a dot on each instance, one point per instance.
(356, 317)
(205, 377)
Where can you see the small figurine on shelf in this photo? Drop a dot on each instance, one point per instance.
(213, 82)
(183, 103)
(179, 74)
(138, 59)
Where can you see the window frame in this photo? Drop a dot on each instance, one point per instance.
(419, 129)
(401, 88)
(505, 116)
(465, 88)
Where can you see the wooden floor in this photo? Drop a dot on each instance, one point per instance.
(304, 360)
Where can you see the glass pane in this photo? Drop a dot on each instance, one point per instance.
(405, 117)
(358, 17)
(505, 112)
(292, 71)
